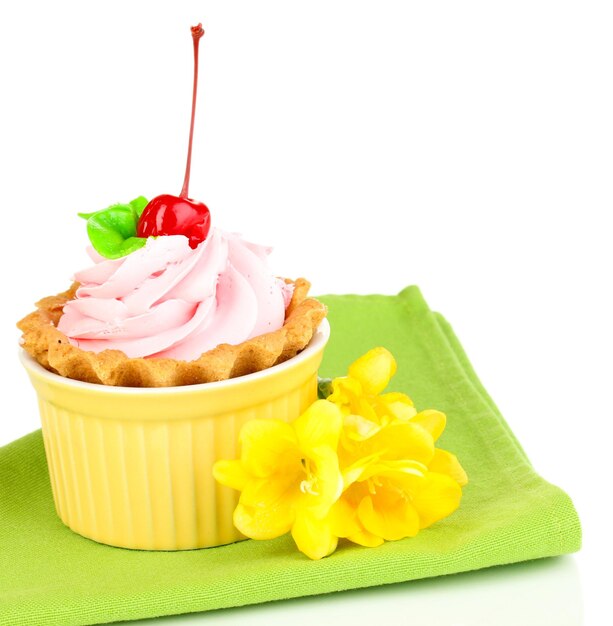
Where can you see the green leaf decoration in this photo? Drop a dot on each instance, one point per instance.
(139, 204)
(112, 231)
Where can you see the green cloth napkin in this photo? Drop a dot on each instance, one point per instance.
(49, 575)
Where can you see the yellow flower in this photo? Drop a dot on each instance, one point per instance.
(361, 465)
(404, 485)
(368, 414)
(365, 410)
(396, 480)
(289, 478)
(391, 500)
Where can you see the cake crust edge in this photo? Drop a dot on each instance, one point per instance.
(52, 349)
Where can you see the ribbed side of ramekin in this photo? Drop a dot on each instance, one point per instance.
(150, 485)
(133, 467)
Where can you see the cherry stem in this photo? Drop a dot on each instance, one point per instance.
(197, 32)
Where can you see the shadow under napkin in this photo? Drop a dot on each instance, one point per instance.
(49, 575)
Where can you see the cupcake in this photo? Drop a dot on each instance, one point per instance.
(170, 315)
(149, 364)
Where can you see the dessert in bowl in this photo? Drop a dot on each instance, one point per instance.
(168, 315)
(148, 366)
(132, 467)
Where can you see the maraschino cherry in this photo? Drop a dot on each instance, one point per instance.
(179, 215)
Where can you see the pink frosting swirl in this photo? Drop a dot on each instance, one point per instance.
(169, 300)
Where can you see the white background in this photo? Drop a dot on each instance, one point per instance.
(463, 146)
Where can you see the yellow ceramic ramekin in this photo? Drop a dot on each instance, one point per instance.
(133, 467)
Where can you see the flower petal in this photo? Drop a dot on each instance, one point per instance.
(320, 425)
(397, 405)
(359, 428)
(438, 497)
(388, 517)
(343, 518)
(444, 462)
(433, 421)
(353, 472)
(268, 446)
(401, 440)
(313, 536)
(344, 390)
(366, 539)
(272, 492)
(406, 474)
(328, 484)
(231, 474)
(374, 370)
(364, 406)
(267, 506)
(263, 522)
